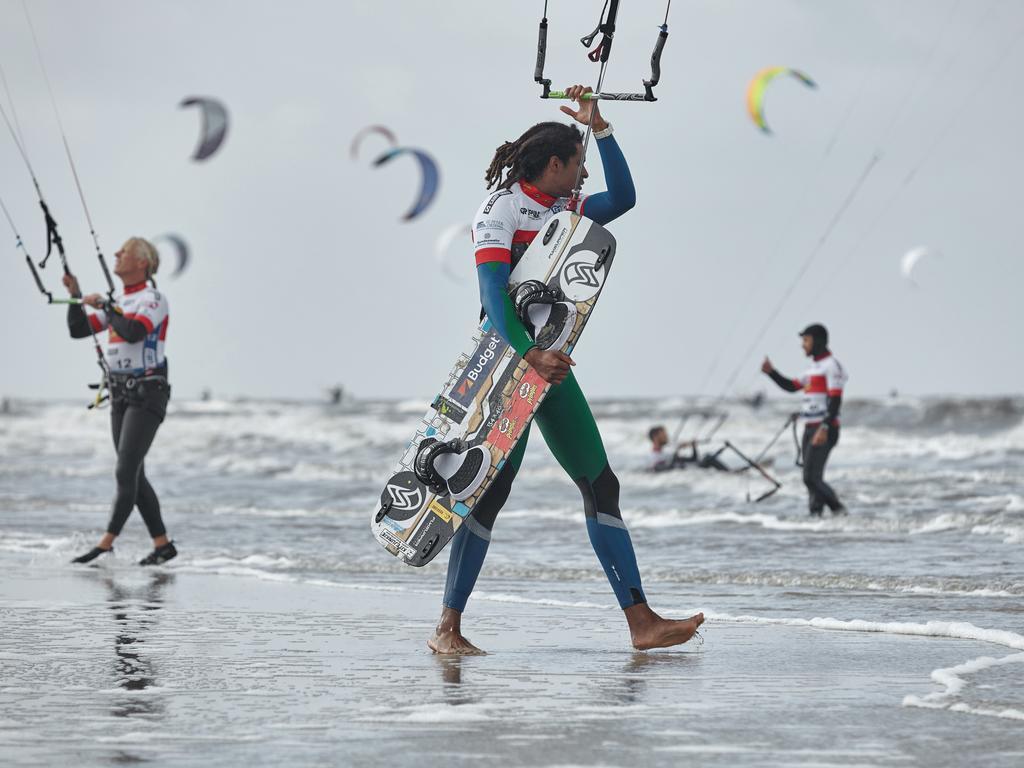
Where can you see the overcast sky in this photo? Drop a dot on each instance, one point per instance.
(304, 276)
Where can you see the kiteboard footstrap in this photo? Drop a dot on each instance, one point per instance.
(546, 315)
(448, 468)
(464, 472)
(551, 324)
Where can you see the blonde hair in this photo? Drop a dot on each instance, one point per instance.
(144, 249)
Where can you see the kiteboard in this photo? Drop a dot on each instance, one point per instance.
(491, 394)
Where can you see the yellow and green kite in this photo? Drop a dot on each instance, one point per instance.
(757, 88)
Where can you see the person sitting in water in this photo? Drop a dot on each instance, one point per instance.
(662, 460)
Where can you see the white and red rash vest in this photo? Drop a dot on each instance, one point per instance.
(147, 305)
(824, 379)
(509, 219)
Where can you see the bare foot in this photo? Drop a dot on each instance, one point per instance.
(452, 643)
(448, 639)
(649, 630)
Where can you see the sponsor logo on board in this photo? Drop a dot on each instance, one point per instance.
(403, 496)
(448, 409)
(478, 368)
(579, 278)
(405, 499)
(528, 391)
(581, 273)
(439, 509)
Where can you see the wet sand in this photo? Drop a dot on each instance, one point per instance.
(118, 665)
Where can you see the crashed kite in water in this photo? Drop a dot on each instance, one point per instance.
(429, 181)
(444, 243)
(380, 130)
(757, 88)
(180, 248)
(215, 125)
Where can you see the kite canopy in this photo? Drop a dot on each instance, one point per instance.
(441, 250)
(430, 177)
(757, 89)
(181, 250)
(912, 257)
(215, 125)
(380, 130)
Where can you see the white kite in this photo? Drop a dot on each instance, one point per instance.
(444, 243)
(912, 257)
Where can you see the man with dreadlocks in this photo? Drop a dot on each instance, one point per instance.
(542, 168)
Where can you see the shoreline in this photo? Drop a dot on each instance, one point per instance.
(234, 667)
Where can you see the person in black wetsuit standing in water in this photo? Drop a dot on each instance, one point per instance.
(822, 385)
(136, 321)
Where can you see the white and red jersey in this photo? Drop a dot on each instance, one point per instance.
(824, 379)
(509, 219)
(148, 306)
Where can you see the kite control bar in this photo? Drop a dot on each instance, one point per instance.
(603, 96)
(605, 27)
(752, 464)
(42, 288)
(791, 419)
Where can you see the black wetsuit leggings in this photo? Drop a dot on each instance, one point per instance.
(815, 456)
(134, 421)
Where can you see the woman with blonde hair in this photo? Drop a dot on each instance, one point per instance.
(136, 325)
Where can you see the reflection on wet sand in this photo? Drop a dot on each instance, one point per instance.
(641, 669)
(133, 611)
(451, 677)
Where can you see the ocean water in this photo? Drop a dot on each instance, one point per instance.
(921, 585)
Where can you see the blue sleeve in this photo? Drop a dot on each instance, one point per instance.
(498, 307)
(620, 195)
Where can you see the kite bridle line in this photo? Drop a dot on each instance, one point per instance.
(606, 27)
(53, 238)
(71, 159)
(102, 388)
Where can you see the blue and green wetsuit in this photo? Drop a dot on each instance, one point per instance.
(505, 225)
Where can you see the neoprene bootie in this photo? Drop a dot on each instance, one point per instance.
(91, 555)
(160, 555)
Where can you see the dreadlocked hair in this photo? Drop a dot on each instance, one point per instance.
(528, 156)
